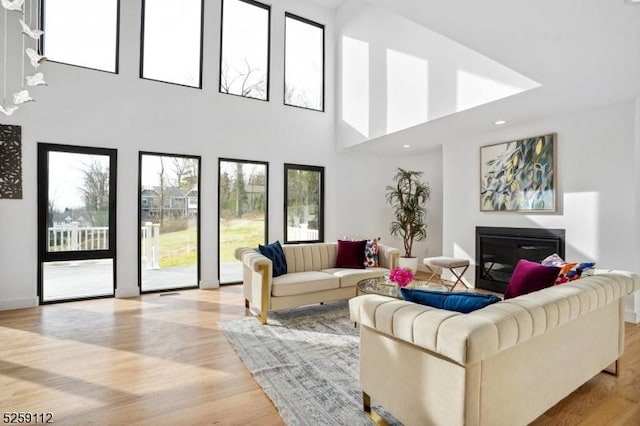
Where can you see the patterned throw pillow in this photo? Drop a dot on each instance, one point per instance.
(276, 254)
(569, 271)
(371, 254)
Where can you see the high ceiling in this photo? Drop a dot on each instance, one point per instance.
(331, 4)
(585, 53)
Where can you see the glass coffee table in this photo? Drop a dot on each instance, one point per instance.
(386, 288)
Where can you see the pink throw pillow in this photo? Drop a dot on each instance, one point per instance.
(530, 276)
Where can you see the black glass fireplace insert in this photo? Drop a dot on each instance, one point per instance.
(499, 249)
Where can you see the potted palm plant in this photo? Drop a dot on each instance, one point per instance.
(408, 198)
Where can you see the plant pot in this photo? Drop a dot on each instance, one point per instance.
(408, 262)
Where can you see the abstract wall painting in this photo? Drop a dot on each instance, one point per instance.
(519, 176)
(10, 162)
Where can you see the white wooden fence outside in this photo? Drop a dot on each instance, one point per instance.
(301, 234)
(74, 238)
(151, 245)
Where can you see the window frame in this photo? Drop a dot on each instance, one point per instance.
(45, 256)
(142, 37)
(41, 42)
(266, 204)
(199, 221)
(321, 212)
(324, 43)
(268, 82)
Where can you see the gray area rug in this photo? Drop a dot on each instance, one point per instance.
(306, 360)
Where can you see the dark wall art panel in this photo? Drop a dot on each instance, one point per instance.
(10, 162)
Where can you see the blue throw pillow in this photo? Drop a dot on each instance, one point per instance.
(464, 302)
(274, 252)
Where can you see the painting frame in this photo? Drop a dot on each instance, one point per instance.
(520, 175)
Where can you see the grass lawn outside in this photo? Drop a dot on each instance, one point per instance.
(179, 248)
(234, 233)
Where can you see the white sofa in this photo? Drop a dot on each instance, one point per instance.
(505, 364)
(311, 276)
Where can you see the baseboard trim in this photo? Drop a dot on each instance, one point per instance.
(126, 293)
(209, 284)
(632, 316)
(10, 304)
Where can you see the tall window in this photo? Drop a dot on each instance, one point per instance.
(172, 41)
(244, 56)
(243, 203)
(76, 222)
(82, 32)
(169, 228)
(304, 63)
(304, 196)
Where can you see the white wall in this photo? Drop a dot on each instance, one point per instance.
(597, 183)
(363, 178)
(85, 107)
(393, 73)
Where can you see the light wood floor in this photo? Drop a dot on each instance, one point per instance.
(163, 360)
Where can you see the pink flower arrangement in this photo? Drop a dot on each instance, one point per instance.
(401, 276)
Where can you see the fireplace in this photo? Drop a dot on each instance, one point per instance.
(499, 249)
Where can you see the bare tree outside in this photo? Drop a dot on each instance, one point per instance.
(184, 170)
(246, 81)
(161, 191)
(301, 97)
(95, 192)
(244, 64)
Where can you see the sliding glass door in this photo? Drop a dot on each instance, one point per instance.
(169, 221)
(76, 222)
(242, 212)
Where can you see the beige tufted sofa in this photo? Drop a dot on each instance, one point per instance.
(311, 276)
(505, 364)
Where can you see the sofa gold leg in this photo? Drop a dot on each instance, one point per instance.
(366, 407)
(264, 293)
(366, 403)
(614, 368)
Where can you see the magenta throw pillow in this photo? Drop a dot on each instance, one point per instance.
(530, 276)
(350, 254)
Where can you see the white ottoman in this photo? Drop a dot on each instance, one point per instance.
(451, 263)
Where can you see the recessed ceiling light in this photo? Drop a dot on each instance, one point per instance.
(406, 146)
(500, 122)
(632, 1)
